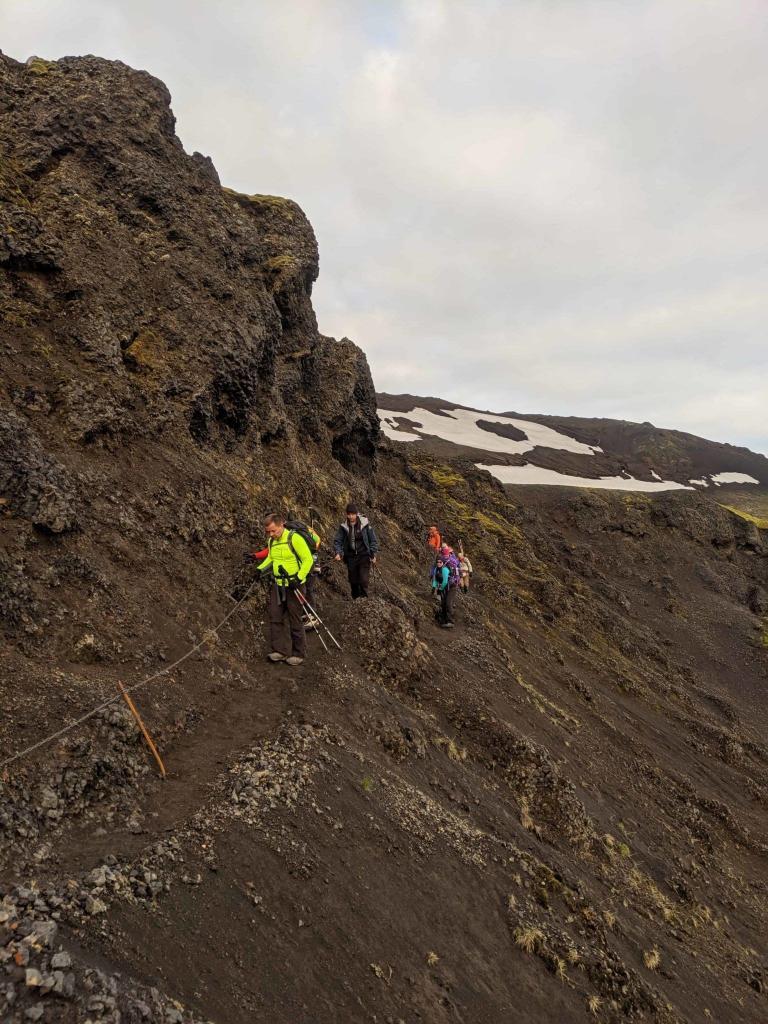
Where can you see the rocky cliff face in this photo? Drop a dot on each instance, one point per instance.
(554, 812)
(144, 301)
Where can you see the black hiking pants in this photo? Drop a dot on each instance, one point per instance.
(359, 572)
(286, 628)
(311, 588)
(447, 602)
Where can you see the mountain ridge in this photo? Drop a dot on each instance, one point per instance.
(639, 451)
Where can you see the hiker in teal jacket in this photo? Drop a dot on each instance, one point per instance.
(442, 585)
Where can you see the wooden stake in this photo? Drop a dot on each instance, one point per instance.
(147, 737)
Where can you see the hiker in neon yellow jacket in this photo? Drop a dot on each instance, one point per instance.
(291, 562)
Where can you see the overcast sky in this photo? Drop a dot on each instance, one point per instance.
(532, 205)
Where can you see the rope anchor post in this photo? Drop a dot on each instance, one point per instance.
(145, 733)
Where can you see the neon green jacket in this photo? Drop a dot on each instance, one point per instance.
(281, 555)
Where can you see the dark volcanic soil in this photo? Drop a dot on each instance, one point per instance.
(555, 812)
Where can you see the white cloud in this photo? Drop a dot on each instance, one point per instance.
(538, 206)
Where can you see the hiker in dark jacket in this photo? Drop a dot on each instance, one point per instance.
(355, 542)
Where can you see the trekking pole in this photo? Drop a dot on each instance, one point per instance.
(305, 604)
(312, 611)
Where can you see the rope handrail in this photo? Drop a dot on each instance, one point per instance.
(113, 700)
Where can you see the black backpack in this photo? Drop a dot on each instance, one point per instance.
(305, 532)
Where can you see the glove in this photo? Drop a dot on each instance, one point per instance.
(294, 583)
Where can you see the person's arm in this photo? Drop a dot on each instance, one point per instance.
(446, 575)
(267, 561)
(373, 542)
(338, 541)
(304, 556)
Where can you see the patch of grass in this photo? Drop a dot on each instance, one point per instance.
(525, 815)
(367, 784)
(624, 850)
(760, 521)
(145, 351)
(432, 958)
(652, 958)
(282, 262)
(593, 1004)
(454, 753)
(38, 66)
(529, 939)
(278, 203)
(444, 477)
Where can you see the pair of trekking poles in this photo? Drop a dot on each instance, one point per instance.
(308, 607)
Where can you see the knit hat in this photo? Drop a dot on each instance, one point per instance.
(351, 508)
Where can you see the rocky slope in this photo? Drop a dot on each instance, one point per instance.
(557, 812)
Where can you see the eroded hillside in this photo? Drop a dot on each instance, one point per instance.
(555, 814)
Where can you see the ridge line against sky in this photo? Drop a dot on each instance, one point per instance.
(523, 205)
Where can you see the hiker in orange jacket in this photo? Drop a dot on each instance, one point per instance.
(434, 540)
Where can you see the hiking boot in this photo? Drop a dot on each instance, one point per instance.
(293, 661)
(276, 656)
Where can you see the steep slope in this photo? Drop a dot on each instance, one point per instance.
(555, 812)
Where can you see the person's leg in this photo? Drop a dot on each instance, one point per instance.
(295, 617)
(354, 576)
(364, 576)
(311, 590)
(278, 638)
(450, 601)
(443, 616)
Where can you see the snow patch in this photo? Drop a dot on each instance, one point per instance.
(460, 426)
(700, 483)
(529, 474)
(655, 475)
(733, 478)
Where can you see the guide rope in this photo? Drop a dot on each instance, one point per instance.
(136, 686)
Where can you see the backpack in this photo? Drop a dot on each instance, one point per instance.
(305, 532)
(311, 539)
(454, 569)
(454, 573)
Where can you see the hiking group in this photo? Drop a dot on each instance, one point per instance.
(449, 573)
(291, 557)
